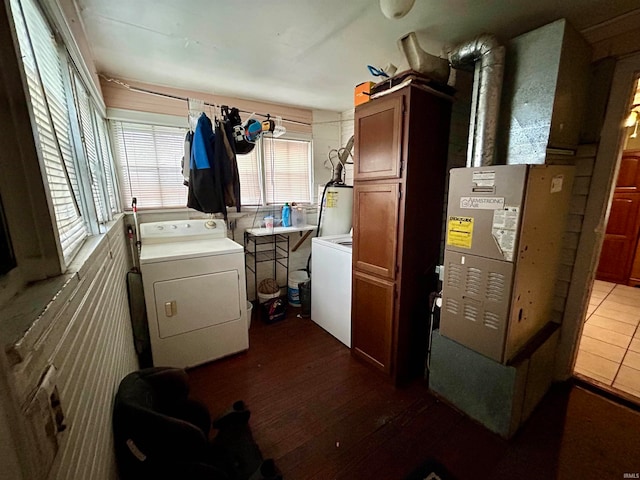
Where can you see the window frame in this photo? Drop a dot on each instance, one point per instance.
(82, 198)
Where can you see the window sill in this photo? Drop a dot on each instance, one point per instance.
(29, 315)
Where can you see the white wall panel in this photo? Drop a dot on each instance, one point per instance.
(93, 354)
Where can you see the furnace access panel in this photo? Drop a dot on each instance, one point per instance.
(505, 225)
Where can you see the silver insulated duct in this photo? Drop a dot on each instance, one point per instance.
(487, 56)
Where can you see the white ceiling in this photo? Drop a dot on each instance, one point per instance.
(308, 53)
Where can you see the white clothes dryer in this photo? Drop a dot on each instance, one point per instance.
(195, 291)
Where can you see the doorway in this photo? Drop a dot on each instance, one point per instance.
(609, 346)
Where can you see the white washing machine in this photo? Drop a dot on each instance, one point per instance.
(195, 292)
(331, 285)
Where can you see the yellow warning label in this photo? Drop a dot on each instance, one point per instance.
(331, 200)
(460, 232)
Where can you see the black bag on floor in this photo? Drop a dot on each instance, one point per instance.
(274, 310)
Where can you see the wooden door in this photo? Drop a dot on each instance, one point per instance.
(620, 241)
(372, 320)
(375, 228)
(378, 139)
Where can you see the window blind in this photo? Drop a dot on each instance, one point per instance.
(90, 147)
(150, 164)
(107, 162)
(149, 157)
(44, 70)
(249, 173)
(287, 166)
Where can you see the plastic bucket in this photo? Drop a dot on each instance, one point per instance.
(249, 311)
(295, 278)
(264, 297)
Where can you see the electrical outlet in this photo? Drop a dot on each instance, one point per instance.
(440, 272)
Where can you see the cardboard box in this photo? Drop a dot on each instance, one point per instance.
(361, 93)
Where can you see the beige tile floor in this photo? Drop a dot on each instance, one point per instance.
(609, 349)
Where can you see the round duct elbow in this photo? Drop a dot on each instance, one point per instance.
(486, 55)
(470, 52)
(422, 62)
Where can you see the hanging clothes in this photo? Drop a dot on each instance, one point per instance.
(206, 192)
(186, 158)
(231, 177)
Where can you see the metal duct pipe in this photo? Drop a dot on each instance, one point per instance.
(488, 57)
(434, 67)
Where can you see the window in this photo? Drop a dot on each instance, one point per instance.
(287, 166)
(95, 151)
(277, 170)
(43, 68)
(70, 132)
(150, 164)
(249, 172)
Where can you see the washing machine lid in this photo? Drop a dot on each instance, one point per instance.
(339, 242)
(163, 252)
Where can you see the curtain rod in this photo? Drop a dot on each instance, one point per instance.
(177, 97)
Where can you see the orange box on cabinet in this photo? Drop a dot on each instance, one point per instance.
(361, 93)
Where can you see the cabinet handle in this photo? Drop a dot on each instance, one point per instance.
(170, 308)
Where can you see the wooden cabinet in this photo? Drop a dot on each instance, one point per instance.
(620, 256)
(375, 311)
(399, 180)
(375, 223)
(378, 136)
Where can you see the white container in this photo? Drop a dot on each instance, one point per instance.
(263, 297)
(299, 216)
(295, 278)
(337, 210)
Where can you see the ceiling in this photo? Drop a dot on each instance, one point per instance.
(308, 53)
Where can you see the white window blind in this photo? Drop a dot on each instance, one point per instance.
(149, 156)
(150, 162)
(287, 167)
(91, 147)
(107, 163)
(44, 71)
(249, 173)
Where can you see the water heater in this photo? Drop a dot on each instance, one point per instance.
(337, 209)
(505, 227)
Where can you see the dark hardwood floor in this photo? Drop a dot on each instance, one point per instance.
(323, 415)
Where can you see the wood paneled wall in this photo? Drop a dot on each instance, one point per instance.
(92, 355)
(88, 339)
(584, 162)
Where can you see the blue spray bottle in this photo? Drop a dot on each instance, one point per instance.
(286, 215)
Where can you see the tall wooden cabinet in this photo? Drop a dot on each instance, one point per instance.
(399, 180)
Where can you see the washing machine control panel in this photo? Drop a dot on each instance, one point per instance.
(172, 231)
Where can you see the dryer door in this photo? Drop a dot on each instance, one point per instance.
(187, 304)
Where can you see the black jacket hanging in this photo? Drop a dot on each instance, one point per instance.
(206, 192)
(231, 177)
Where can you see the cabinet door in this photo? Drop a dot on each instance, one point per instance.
(378, 139)
(375, 225)
(372, 320)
